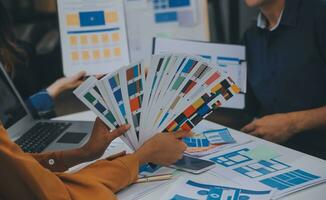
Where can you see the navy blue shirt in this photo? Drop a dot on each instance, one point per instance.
(287, 66)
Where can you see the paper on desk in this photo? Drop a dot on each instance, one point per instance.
(189, 189)
(280, 173)
(207, 126)
(262, 152)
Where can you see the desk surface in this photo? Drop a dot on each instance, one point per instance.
(315, 193)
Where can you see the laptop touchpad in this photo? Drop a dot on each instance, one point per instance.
(72, 138)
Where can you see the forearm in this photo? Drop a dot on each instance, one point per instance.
(61, 161)
(309, 119)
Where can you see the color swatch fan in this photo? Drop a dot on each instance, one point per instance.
(177, 92)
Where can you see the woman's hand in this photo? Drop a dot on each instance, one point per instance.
(163, 149)
(100, 139)
(65, 83)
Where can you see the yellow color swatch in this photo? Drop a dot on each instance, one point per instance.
(115, 37)
(235, 88)
(216, 88)
(117, 52)
(107, 53)
(111, 17)
(72, 20)
(96, 55)
(173, 127)
(75, 56)
(95, 39)
(105, 38)
(84, 40)
(85, 55)
(198, 103)
(73, 40)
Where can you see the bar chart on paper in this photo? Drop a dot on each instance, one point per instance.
(93, 36)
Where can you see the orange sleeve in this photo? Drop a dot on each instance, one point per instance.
(26, 179)
(52, 161)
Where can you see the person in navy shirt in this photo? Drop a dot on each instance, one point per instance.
(286, 53)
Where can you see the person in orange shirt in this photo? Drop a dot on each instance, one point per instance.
(32, 176)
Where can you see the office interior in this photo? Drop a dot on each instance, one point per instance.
(36, 22)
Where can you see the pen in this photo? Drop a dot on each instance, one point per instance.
(154, 178)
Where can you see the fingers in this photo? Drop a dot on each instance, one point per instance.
(99, 76)
(79, 75)
(183, 134)
(249, 128)
(119, 131)
(255, 133)
(183, 146)
(99, 124)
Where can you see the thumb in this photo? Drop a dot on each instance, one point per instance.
(183, 134)
(118, 132)
(249, 128)
(79, 75)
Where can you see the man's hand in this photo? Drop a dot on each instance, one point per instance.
(163, 149)
(65, 83)
(276, 128)
(100, 139)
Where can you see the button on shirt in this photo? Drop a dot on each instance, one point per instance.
(287, 64)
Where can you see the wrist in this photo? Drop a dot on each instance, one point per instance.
(295, 123)
(84, 154)
(54, 90)
(143, 156)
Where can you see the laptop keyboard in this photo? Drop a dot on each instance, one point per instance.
(40, 136)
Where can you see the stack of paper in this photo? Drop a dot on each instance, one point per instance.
(177, 92)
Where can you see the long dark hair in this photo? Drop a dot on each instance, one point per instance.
(10, 53)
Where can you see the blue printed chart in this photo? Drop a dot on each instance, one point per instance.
(274, 173)
(185, 189)
(219, 136)
(93, 36)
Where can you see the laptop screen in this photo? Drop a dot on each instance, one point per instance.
(11, 109)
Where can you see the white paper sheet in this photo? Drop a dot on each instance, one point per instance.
(281, 173)
(159, 18)
(187, 189)
(93, 36)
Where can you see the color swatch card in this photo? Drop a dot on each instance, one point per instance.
(229, 59)
(176, 93)
(93, 36)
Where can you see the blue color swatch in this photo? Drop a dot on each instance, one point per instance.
(94, 18)
(166, 17)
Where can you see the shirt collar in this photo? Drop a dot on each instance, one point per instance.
(262, 22)
(288, 15)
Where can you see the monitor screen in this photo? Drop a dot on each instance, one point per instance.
(11, 109)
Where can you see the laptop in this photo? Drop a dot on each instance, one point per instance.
(35, 136)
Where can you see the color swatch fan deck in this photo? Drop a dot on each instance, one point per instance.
(175, 93)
